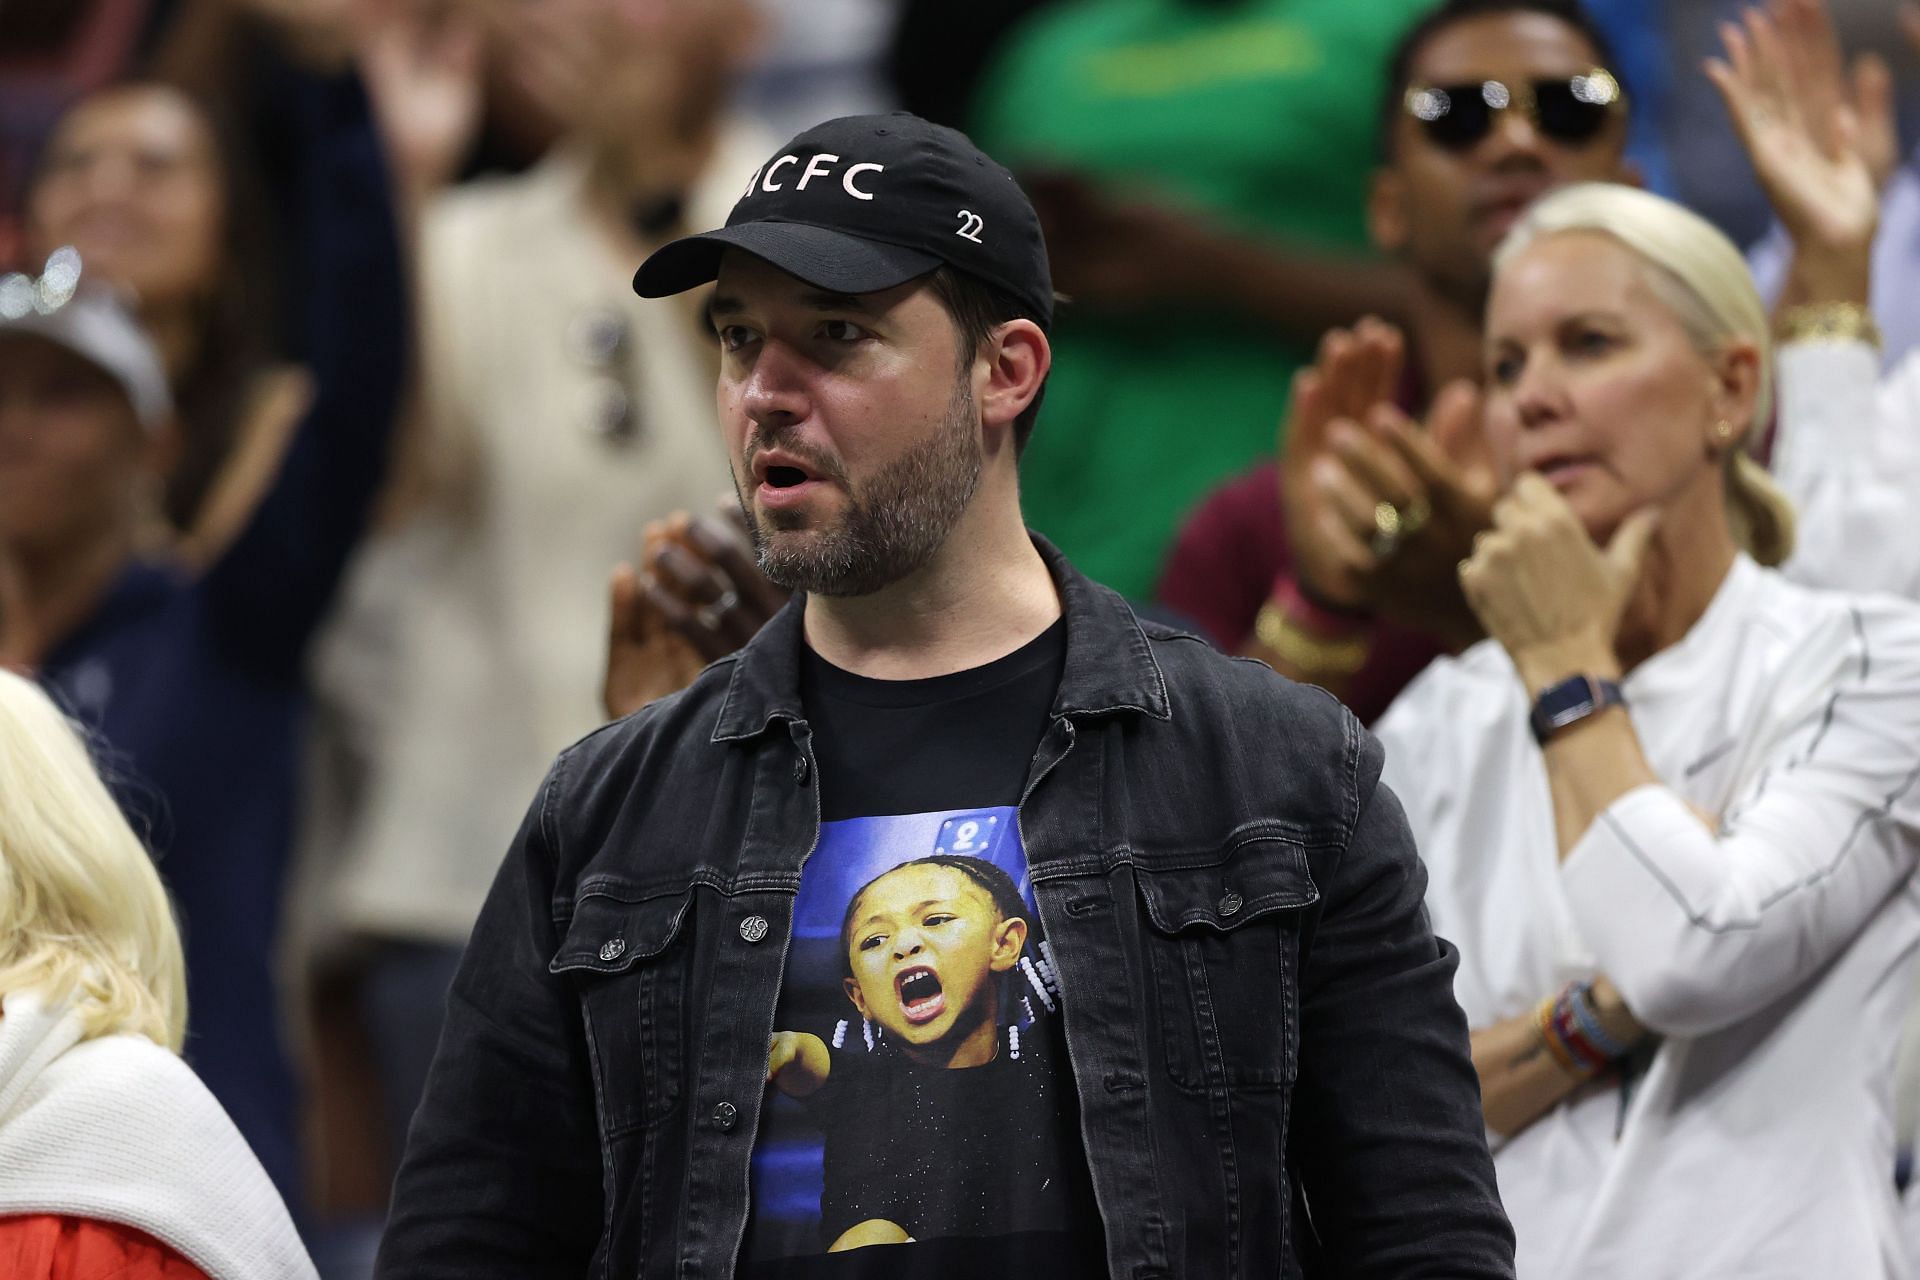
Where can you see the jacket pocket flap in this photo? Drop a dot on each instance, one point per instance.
(609, 936)
(1256, 876)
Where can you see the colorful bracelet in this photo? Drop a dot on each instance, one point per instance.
(1543, 1020)
(1567, 1040)
(1580, 1000)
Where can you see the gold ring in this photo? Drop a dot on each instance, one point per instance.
(1387, 528)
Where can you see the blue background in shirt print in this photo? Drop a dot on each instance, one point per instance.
(787, 1158)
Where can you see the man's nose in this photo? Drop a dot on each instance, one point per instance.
(774, 393)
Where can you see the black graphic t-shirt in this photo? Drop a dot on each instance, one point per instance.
(921, 1121)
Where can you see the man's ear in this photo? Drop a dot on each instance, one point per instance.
(853, 993)
(1009, 940)
(1018, 359)
(1387, 222)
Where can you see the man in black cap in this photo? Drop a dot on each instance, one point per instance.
(961, 923)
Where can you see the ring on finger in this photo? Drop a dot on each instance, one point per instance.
(1388, 525)
(712, 615)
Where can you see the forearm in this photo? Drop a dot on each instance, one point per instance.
(1298, 294)
(1520, 1081)
(1822, 273)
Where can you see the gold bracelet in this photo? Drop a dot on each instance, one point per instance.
(1306, 653)
(1829, 322)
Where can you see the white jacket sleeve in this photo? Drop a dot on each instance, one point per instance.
(1848, 454)
(1701, 929)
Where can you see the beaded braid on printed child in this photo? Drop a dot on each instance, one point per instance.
(1038, 976)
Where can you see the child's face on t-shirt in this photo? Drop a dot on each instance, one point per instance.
(924, 946)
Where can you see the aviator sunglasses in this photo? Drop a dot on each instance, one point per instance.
(1571, 111)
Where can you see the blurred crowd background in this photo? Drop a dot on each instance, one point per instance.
(383, 248)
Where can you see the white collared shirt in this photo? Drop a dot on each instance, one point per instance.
(1773, 957)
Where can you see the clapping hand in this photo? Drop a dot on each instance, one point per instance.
(1379, 510)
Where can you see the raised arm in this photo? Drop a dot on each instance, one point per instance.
(502, 1175)
(1387, 1138)
(350, 327)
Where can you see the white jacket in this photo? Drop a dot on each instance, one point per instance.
(120, 1130)
(1773, 957)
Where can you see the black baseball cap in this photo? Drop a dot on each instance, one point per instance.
(864, 203)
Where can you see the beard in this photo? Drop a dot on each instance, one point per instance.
(895, 520)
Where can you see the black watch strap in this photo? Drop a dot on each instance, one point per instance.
(1571, 701)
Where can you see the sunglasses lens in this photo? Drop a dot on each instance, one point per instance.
(1455, 118)
(1566, 115)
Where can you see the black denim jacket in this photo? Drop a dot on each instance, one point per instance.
(1273, 1075)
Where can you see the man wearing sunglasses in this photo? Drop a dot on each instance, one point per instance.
(1488, 105)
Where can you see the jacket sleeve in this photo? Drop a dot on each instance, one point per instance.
(1387, 1141)
(1848, 455)
(1700, 929)
(502, 1172)
(270, 590)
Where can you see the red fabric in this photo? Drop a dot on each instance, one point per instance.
(51, 1247)
(1229, 556)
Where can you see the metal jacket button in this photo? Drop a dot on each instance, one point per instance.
(753, 928)
(1230, 903)
(613, 948)
(800, 771)
(725, 1116)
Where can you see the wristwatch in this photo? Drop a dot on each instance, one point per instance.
(1571, 701)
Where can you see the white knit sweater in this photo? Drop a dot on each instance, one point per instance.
(120, 1130)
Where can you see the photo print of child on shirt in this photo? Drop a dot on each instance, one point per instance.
(918, 1089)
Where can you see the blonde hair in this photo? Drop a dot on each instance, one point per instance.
(1701, 277)
(83, 915)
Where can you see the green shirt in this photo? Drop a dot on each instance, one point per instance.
(1262, 114)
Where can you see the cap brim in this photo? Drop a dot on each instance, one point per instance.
(822, 256)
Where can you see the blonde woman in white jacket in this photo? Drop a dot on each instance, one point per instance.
(110, 1147)
(1668, 809)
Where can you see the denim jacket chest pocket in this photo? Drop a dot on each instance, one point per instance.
(629, 961)
(1223, 950)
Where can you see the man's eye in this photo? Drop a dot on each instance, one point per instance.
(734, 336)
(842, 331)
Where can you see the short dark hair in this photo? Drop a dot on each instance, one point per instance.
(1453, 12)
(978, 308)
(985, 875)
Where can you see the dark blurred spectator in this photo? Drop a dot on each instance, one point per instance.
(1200, 171)
(1444, 195)
(114, 1159)
(192, 672)
(560, 414)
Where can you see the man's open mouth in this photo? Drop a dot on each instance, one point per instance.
(921, 996)
(785, 477)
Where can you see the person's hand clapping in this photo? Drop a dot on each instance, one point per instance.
(1379, 510)
(1541, 587)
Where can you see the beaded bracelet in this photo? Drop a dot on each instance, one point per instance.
(1567, 1041)
(1580, 999)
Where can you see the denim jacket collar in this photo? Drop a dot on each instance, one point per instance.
(1109, 665)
